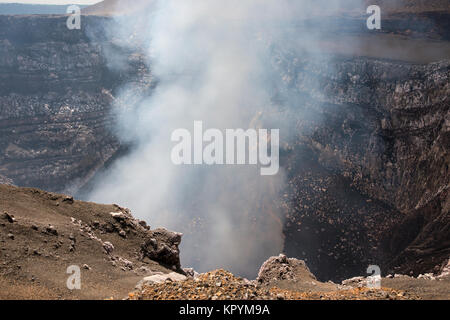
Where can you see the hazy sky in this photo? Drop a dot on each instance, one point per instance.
(52, 1)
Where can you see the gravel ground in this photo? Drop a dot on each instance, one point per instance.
(222, 285)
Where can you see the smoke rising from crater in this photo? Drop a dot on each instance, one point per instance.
(214, 62)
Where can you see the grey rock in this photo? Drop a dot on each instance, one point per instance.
(162, 246)
(161, 278)
(108, 246)
(280, 267)
(9, 217)
(51, 230)
(356, 282)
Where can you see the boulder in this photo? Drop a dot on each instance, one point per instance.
(161, 245)
(108, 246)
(159, 278)
(283, 268)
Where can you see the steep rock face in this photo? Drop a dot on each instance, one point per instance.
(384, 127)
(383, 124)
(421, 243)
(54, 142)
(56, 93)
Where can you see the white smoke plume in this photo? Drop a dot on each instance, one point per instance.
(213, 63)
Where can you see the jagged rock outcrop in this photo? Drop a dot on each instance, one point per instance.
(162, 246)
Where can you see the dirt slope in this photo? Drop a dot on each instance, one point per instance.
(42, 234)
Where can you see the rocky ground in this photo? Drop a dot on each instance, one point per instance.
(222, 285)
(120, 7)
(281, 278)
(42, 234)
